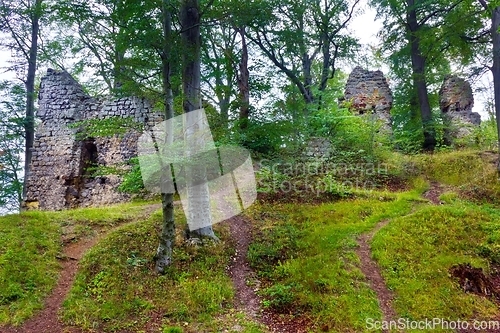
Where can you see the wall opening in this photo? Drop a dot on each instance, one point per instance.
(89, 158)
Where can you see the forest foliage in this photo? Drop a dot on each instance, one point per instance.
(272, 73)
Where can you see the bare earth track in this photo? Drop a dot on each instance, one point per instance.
(245, 283)
(47, 320)
(246, 299)
(372, 273)
(370, 268)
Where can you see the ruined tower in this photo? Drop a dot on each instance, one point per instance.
(456, 101)
(60, 175)
(369, 93)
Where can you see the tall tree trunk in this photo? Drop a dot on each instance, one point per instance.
(306, 72)
(198, 196)
(163, 257)
(120, 48)
(118, 69)
(29, 125)
(419, 82)
(495, 69)
(306, 68)
(243, 81)
(325, 48)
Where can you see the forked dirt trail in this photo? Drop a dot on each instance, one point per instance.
(47, 320)
(372, 272)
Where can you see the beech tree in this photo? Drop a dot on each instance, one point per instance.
(297, 34)
(12, 108)
(20, 22)
(163, 257)
(198, 196)
(492, 8)
(426, 36)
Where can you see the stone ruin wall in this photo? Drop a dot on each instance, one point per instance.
(369, 92)
(456, 101)
(58, 177)
(318, 149)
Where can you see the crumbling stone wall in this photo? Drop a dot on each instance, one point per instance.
(59, 177)
(456, 101)
(369, 92)
(318, 148)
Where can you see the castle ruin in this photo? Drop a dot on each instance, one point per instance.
(59, 174)
(369, 93)
(456, 101)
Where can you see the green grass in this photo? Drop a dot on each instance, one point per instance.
(30, 243)
(417, 251)
(306, 257)
(98, 218)
(116, 287)
(471, 173)
(452, 168)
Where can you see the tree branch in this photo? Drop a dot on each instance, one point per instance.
(484, 4)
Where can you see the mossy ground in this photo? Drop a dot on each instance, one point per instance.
(303, 252)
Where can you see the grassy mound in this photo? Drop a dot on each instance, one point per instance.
(30, 244)
(417, 251)
(116, 287)
(306, 257)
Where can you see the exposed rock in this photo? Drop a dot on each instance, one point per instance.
(318, 148)
(59, 176)
(369, 93)
(456, 101)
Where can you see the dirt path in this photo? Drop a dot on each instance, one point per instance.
(372, 272)
(433, 193)
(47, 320)
(246, 299)
(239, 271)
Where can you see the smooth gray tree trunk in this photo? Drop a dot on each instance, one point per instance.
(418, 62)
(243, 81)
(495, 69)
(198, 197)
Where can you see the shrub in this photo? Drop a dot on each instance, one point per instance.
(279, 296)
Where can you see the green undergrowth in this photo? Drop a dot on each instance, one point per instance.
(472, 173)
(30, 244)
(117, 288)
(416, 252)
(306, 258)
(303, 252)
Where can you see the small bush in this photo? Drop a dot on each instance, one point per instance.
(132, 181)
(279, 296)
(171, 329)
